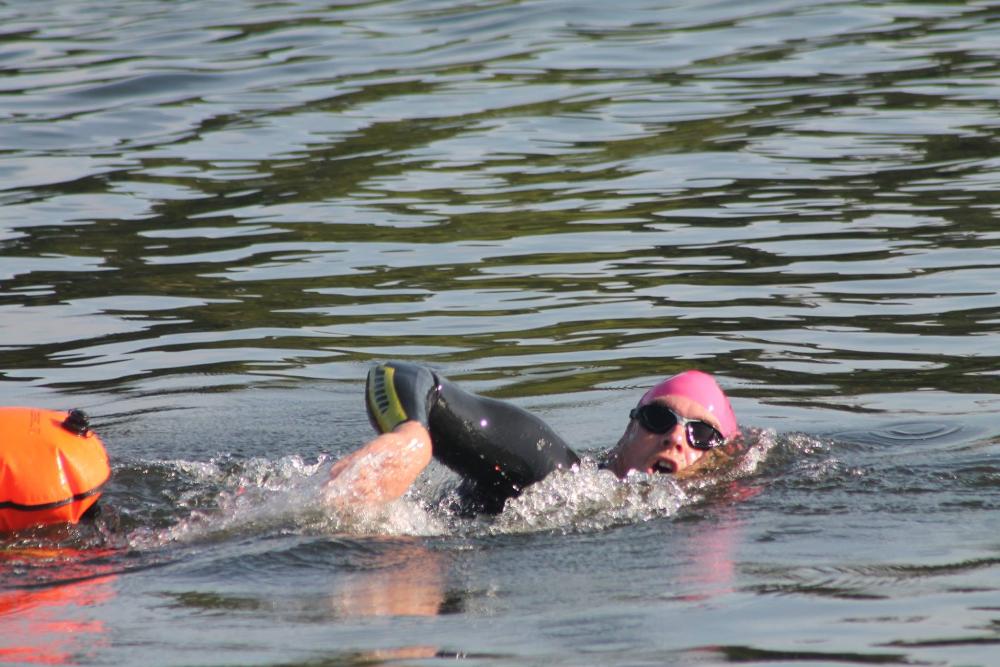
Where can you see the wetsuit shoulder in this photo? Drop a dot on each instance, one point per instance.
(499, 447)
(496, 447)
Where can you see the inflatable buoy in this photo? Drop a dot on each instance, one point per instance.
(52, 467)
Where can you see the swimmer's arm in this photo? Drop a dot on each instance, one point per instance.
(382, 470)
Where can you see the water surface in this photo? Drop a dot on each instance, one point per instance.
(214, 217)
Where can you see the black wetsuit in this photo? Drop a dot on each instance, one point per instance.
(497, 448)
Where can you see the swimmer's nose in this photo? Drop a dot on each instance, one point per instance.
(676, 437)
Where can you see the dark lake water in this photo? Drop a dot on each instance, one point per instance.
(215, 216)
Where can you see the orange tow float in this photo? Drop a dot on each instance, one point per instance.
(52, 467)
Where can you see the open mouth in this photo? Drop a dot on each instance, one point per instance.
(663, 467)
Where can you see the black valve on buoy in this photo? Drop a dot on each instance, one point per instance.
(77, 422)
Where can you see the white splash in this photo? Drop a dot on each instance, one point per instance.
(223, 498)
(586, 498)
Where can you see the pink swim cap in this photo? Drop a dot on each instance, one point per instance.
(701, 388)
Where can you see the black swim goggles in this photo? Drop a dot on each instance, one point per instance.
(658, 418)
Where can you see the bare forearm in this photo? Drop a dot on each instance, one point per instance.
(383, 469)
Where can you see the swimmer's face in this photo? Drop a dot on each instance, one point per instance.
(670, 452)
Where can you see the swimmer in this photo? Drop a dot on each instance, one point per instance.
(498, 449)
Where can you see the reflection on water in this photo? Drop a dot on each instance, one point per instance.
(211, 221)
(795, 195)
(53, 624)
(412, 587)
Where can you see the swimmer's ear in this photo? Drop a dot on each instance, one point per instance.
(710, 460)
(717, 456)
(397, 392)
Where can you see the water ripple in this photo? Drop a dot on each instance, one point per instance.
(555, 202)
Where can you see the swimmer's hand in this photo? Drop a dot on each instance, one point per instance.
(397, 392)
(382, 470)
